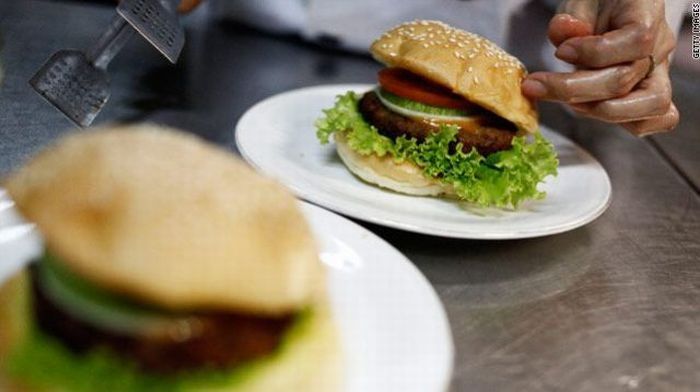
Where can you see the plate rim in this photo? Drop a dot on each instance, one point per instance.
(326, 203)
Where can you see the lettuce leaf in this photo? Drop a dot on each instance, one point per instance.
(42, 361)
(502, 179)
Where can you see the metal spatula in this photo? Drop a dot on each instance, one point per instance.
(156, 21)
(77, 83)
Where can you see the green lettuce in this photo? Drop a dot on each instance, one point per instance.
(501, 179)
(42, 361)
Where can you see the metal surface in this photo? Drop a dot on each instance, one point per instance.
(681, 146)
(110, 43)
(70, 82)
(613, 306)
(77, 83)
(157, 23)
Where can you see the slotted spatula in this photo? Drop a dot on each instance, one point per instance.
(77, 83)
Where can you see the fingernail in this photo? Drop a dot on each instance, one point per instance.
(567, 53)
(534, 88)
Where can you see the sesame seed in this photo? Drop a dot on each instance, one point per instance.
(435, 34)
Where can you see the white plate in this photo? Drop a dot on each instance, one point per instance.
(19, 241)
(278, 137)
(395, 333)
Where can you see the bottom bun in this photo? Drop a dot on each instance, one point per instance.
(404, 177)
(310, 361)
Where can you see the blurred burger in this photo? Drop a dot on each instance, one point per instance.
(447, 118)
(169, 265)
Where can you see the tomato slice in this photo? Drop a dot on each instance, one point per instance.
(408, 85)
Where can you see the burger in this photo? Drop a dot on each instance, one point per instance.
(447, 118)
(169, 265)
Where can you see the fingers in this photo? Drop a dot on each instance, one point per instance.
(582, 10)
(585, 85)
(575, 18)
(564, 26)
(646, 110)
(632, 31)
(664, 123)
(612, 82)
(651, 99)
(632, 42)
(665, 43)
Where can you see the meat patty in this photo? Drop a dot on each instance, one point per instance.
(224, 340)
(490, 133)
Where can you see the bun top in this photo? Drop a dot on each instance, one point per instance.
(469, 64)
(171, 221)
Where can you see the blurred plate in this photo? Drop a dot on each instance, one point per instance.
(19, 241)
(278, 137)
(395, 333)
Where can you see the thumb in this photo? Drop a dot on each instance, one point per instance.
(574, 18)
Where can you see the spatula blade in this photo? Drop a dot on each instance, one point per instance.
(73, 85)
(159, 25)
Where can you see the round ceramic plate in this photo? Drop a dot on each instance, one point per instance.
(395, 331)
(395, 334)
(278, 137)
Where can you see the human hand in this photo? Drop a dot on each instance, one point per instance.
(187, 6)
(621, 52)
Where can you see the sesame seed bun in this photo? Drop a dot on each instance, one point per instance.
(404, 177)
(170, 220)
(468, 64)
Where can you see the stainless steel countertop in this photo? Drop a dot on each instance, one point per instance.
(611, 306)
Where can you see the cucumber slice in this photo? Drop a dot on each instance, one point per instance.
(414, 109)
(107, 311)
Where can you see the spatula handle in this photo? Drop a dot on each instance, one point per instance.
(110, 42)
